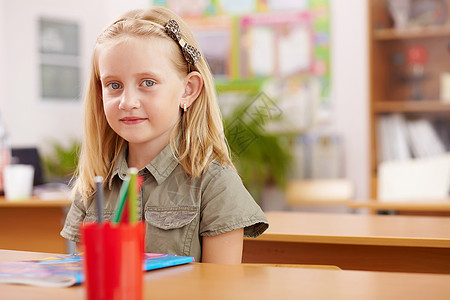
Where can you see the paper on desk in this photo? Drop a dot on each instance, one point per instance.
(415, 179)
(52, 191)
(67, 270)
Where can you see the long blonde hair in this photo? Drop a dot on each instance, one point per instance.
(196, 140)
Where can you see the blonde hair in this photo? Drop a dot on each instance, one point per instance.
(196, 140)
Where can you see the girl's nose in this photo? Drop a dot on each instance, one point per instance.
(129, 100)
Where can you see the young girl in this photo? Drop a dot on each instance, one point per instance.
(151, 105)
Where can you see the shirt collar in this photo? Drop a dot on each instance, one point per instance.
(163, 164)
(160, 167)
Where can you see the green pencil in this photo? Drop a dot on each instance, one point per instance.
(121, 200)
(132, 194)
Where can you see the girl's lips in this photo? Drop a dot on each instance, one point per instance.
(132, 120)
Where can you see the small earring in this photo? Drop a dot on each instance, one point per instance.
(184, 107)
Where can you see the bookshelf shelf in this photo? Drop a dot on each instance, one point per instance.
(414, 33)
(400, 99)
(410, 106)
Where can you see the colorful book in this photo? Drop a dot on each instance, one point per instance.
(67, 270)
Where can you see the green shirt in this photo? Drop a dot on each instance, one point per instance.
(178, 209)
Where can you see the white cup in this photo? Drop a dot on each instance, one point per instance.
(18, 181)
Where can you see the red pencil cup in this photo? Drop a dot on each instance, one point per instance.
(113, 258)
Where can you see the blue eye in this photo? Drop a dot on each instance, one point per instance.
(115, 85)
(147, 83)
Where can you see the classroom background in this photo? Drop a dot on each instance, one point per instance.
(300, 70)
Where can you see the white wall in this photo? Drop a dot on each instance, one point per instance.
(2, 56)
(32, 121)
(350, 87)
(115, 8)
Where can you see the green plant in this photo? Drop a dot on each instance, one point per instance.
(62, 163)
(260, 156)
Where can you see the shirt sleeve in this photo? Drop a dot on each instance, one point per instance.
(74, 218)
(227, 205)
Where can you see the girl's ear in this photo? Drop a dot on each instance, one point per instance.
(192, 88)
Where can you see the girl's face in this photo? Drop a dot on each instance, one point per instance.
(141, 90)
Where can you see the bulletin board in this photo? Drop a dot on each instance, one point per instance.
(283, 45)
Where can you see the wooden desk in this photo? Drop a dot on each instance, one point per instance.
(354, 242)
(405, 208)
(33, 225)
(212, 281)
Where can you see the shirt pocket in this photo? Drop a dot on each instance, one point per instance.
(170, 218)
(170, 229)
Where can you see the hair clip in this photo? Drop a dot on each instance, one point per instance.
(191, 54)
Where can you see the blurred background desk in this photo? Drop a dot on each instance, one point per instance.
(215, 281)
(33, 225)
(428, 208)
(354, 242)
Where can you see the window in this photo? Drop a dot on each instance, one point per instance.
(59, 60)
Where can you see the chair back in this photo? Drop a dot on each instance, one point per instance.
(319, 192)
(30, 156)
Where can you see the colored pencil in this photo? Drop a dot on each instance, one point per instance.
(132, 194)
(99, 198)
(121, 200)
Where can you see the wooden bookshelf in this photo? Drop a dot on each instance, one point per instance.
(410, 106)
(413, 33)
(392, 86)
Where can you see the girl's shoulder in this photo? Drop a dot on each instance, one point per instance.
(221, 175)
(216, 169)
